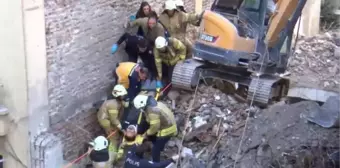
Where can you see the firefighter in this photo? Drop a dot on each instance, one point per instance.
(151, 28)
(180, 7)
(167, 52)
(137, 46)
(176, 21)
(131, 75)
(110, 113)
(134, 159)
(143, 12)
(161, 120)
(99, 153)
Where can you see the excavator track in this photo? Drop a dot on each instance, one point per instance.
(186, 75)
(267, 89)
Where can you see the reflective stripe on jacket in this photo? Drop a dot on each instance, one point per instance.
(123, 71)
(162, 121)
(174, 52)
(109, 114)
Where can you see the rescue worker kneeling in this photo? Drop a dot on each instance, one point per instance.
(99, 153)
(161, 120)
(109, 117)
(168, 52)
(131, 75)
(134, 159)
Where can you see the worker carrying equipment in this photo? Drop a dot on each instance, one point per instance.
(134, 159)
(161, 120)
(167, 53)
(110, 113)
(151, 28)
(99, 153)
(131, 75)
(176, 21)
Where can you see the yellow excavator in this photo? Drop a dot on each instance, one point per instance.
(243, 42)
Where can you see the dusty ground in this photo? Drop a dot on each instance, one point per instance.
(316, 61)
(275, 137)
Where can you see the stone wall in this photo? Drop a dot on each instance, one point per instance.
(79, 37)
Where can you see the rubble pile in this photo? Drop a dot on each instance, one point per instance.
(214, 115)
(316, 61)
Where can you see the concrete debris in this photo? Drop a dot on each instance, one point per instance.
(310, 94)
(214, 113)
(327, 115)
(315, 62)
(186, 152)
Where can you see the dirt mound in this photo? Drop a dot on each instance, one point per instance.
(316, 61)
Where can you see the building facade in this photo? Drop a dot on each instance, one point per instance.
(55, 64)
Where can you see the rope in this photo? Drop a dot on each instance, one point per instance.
(85, 154)
(190, 109)
(247, 119)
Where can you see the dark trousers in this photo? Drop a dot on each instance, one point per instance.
(132, 57)
(167, 72)
(158, 147)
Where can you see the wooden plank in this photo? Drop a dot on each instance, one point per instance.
(198, 6)
(310, 19)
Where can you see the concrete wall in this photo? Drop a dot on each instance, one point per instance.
(13, 90)
(79, 37)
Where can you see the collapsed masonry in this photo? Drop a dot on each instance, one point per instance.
(279, 136)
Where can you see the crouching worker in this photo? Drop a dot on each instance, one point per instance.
(134, 159)
(99, 153)
(168, 52)
(131, 75)
(109, 116)
(161, 120)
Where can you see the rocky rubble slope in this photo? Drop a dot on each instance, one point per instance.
(214, 115)
(275, 137)
(316, 61)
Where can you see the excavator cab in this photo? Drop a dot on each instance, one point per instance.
(241, 41)
(230, 32)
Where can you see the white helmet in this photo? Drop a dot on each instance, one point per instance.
(160, 42)
(100, 143)
(140, 101)
(179, 3)
(170, 5)
(119, 90)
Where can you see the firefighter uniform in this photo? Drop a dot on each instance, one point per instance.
(128, 77)
(100, 155)
(174, 52)
(161, 120)
(149, 33)
(177, 24)
(109, 116)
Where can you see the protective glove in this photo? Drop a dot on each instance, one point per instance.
(114, 48)
(119, 127)
(132, 18)
(175, 158)
(126, 104)
(159, 84)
